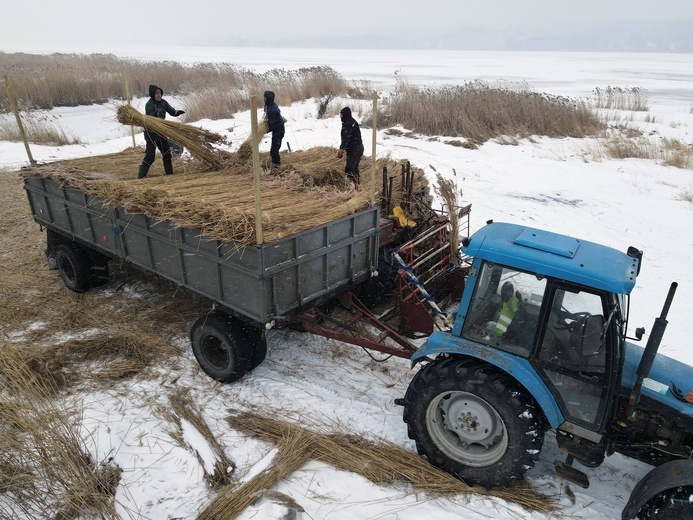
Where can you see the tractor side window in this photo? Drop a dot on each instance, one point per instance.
(573, 354)
(574, 336)
(504, 310)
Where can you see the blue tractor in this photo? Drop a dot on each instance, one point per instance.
(538, 343)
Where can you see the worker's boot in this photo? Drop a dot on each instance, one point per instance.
(144, 168)
(168, 166)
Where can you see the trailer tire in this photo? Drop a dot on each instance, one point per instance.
(258, 345)
(673, 504)
(221, 346)
(474, 421)
(74, 266)
(99, 270)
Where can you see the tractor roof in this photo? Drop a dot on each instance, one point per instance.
(554, 255)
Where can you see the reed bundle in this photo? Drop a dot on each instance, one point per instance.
(447, 190)
(198, 141)
(245, 151)
(381, 462)
(183, 408)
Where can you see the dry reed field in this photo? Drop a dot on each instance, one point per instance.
(480, 111)
(214, 91)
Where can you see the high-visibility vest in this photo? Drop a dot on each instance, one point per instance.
(506, 316)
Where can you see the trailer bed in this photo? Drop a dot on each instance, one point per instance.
(255, 283)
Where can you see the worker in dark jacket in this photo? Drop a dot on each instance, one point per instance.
(275, 124)
(157, 107)
(351, 144)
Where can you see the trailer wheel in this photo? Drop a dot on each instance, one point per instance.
(74, 266)
(473, 421)
(673, 504)
(258, 346)
(99, 270)
(221, 346)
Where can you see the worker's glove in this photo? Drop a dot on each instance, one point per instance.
(340, 153)
(180, 113)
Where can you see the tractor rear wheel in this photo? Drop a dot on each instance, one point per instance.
(473, 420)
(222, 347)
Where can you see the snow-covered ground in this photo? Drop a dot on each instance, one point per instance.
(565, 185)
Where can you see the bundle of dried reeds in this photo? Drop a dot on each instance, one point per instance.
(381, 462)
(198, 141)
(293, 452)
(447, 190)
(245, 151)
(182, 408)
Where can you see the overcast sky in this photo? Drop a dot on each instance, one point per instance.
(32, 24)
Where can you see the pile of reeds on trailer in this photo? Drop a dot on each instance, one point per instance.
(308, 190)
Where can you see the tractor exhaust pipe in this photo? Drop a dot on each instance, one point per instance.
(650, 352)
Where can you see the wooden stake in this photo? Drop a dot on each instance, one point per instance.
(256, 169)
(375, 134)
(13, 102)
(127, 94)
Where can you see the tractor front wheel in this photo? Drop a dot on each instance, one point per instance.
(474, 421)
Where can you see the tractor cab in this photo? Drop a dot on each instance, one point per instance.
(569, 333)
(557, 302)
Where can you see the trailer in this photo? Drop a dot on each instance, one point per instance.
(251, 288)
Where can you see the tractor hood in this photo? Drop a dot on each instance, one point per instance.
(670, 383)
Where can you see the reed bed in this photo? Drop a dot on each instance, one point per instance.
(308, 190)
(198, 141)
(381, 462)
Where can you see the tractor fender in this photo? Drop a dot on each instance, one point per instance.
(518, 367)
(667, 476)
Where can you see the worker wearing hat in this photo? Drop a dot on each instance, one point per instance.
(351, 144)
(157, 107)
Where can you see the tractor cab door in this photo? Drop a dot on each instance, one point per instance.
(575, 353)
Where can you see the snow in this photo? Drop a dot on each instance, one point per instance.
(565, 185)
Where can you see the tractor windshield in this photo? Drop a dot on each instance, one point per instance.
(504, 310)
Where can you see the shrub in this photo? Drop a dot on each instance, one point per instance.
(686, 194)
